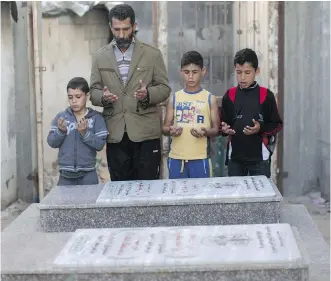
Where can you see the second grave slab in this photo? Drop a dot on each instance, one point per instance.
(213, 201)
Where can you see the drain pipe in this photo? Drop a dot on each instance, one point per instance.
(36, 27)
(162, 40)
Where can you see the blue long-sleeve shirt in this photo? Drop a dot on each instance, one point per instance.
(77, 152)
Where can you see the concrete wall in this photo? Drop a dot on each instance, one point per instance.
(307, 97)
(26, 151)
(68, 43)
(8, 130)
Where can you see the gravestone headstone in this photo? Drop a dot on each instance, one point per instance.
(38, 265)
(198, 246)
(213, 201)
(179, 190)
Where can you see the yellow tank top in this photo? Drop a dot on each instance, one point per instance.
(191, 110)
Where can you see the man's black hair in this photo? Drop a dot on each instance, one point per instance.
(78, 83)
(246, 55)
(122, 12)
(192, 57)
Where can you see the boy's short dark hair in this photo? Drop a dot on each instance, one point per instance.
(192, 57)
(246, 55)
(122, 12)
(78, 83)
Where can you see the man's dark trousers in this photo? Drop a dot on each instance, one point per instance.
(128, 160)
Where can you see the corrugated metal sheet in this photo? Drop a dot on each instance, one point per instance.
(307, 97)
(80, 8)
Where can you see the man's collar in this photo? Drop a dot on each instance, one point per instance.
(113, 42)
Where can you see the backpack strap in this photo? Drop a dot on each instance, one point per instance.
(232, 93)
(263, 94)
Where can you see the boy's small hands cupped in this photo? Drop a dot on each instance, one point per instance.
(252, 130)
(82, 126)
(227, 130)
(62, 125)
(175, 131)
(198, 132)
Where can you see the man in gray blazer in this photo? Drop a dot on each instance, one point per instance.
(129, 79)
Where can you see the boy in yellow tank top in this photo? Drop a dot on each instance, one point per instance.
(191, 119)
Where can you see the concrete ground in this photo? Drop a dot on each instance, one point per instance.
(323, 224)
(319, 210)
(12, 212)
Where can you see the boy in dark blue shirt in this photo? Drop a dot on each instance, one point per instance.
(79, 132)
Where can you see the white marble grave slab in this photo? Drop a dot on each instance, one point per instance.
(180, 247)
(129, 192)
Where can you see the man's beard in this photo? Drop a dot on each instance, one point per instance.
(124, 42)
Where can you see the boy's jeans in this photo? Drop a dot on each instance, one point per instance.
(89, 178)
(241, 169)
